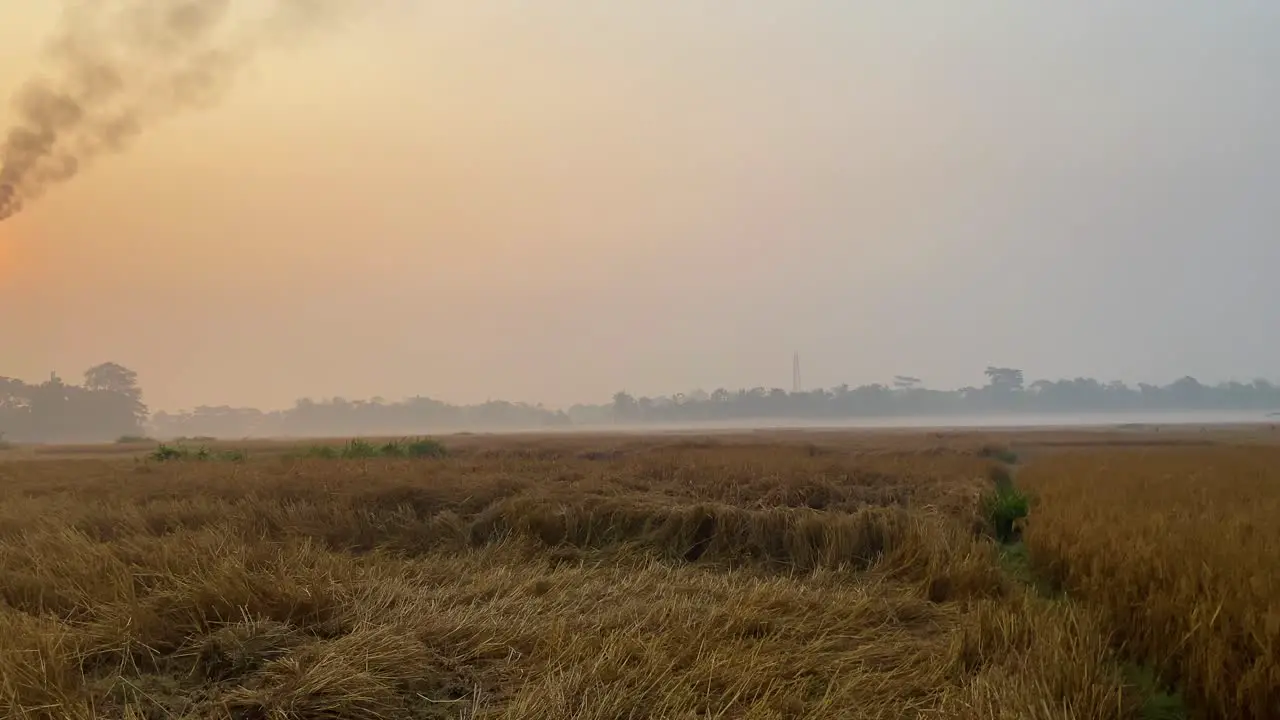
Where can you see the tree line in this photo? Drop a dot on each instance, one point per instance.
(108, 405)
(1005, 393)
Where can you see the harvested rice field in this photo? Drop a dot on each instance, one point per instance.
(749, 575)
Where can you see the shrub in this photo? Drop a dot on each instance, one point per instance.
(168, 453)
(392, 449)
(1003, 508)
(323, 452)
(426, 448)
(133, 439)
(165, 453)
(358, 449)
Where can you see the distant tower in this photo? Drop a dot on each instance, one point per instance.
(796, 385)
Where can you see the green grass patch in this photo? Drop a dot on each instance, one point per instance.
(1005, 508)
(1158, 702)
(359, 449)
(1015, 561)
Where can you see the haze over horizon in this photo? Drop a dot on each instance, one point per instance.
(555, 201)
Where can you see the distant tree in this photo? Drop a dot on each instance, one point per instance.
(625, 406)
(112, 377)
(1186, 392)
(121, 384)
(1003, 379)
(14, 406)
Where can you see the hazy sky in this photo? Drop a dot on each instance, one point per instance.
(553, 200)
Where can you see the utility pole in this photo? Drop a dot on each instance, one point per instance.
(796, 385)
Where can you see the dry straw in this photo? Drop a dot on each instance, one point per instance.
(1178, 547)
(557, 579)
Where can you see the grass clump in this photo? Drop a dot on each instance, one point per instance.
(133, 440)
(168, 453)
(171, 453)
(426, 448)
(323, 452)
(360, 449)
(1004, 509)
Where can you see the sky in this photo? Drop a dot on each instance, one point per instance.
(551, 201)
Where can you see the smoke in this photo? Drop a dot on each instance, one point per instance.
(116, 67)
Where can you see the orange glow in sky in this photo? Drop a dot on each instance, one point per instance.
(13, 253)
(8, 257)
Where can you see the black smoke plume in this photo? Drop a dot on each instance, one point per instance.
(115, 67)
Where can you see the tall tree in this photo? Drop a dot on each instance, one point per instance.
(1003, 378)
(115, 398)
(112, 377)
(625, 406)
(120, 381)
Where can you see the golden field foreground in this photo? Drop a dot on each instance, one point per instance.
(1178, 546)
(783, 575)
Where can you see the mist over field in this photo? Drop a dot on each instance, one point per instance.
(109, 403)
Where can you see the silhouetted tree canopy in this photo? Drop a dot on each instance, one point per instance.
(109, 405)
